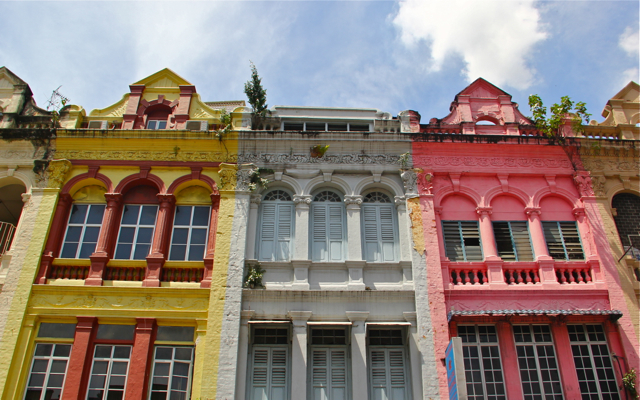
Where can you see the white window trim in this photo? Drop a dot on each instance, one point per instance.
(479, 345)
(190, 228)
(51, 358)
(110, 361)
(84, 226)
(170, 376)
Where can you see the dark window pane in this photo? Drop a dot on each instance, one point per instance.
(123, 252)
(180, 235)
(78, 213)
(144, 235)
(130, 215)
(182, 215)
(178, 252)
(43, 349)
(117, 332)
(196, 253)
(176, 334)
(126, 235)
(201, 216)
(54, 330)
(95, 214)
(148, 216)
(141, 252)
(198, 236)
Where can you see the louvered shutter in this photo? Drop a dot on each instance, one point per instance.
(329, 374)
(571, 240)
(512, 240)
(371, 233)
(269, 373)
(338, 374)
(267, 232)
(336, 232)
(319, 234)
(471, 238)
(563, 240)
(521, 240)
(387, 233)
(285, 231)
(388, 373)
(452, 240)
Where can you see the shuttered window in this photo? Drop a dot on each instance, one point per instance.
(388, 372)
(269, 373)
(329, 373)
(512, 240)
(379, 228)
(462, 240)
(563, 240)
(275, 236)
(328, 236)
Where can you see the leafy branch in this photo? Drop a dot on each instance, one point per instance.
(551, 126)
(256, 179)
(257, 95)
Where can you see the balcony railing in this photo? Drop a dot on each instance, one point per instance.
(7, 231)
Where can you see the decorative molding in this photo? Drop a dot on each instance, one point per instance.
(400, 201)
(583, 183)
(301, 199)
(611, 165)
(353, 200)
(57, 172)
(410, 180)
(504, 162)
(598, 183)
(425, 183)
(504, 181)
(243, 178)
(256, 199)
(455, 181)
(361, 159)
(228, 177)
(551, 181)
(147, 155)
(24, 154)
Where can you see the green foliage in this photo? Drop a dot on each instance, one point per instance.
(318, 150)
(254, 277)
(225, 121)
(256, 94)
(551, 125)
(629, 383)
(257, 180)
(404, 160)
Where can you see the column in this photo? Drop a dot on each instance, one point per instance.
(355, 262)
(299, 354)
(546, 264)
(301, 260)
(403, 228)
(256, 199)
(491, 258)
(509, 357)
(157, 257)
(141, 356)
(414, 355)
(211, 241)
(75, 383)
(566, 366)
(108, 233)
(56, 234)
(359, 375)
(243, 353)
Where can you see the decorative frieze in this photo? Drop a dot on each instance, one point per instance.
(508, 162)
(199, 156)
(361, 159)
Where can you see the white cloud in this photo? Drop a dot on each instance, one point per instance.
(630, 41)
(494, 38)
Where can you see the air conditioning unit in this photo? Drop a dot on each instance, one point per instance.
(98, 124)
(197, 125)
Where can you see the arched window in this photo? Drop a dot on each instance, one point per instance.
(85, 220)
(379, 228)
(137, 224)
(157, 116)
(328, 227)
(627, 218)
(275, 234)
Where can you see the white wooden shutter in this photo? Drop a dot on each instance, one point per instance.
(319, 234)
(371, 233)
(267, 232)
(379, 233)
(329, 374)
(269, 373)
(387, 233)
(336, 232)
(387, 374)
(285, 231)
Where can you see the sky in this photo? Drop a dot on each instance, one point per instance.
(392, 56)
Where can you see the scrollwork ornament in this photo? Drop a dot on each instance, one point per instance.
(227, 179)
(425, 183)
(301, 200)
(353, 200)
(243, 179)
(409, 179)
(598, 185)
(57, 172)
(583, 183)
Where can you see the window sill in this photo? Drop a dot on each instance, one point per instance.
(127, 263)
(75, 262)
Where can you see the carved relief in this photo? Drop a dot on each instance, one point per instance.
(228, 179)
(243, 179)
(352, 200)
(583, 183)
(148, 155)
(598, 185)
(510, 162)
(118, 302)
(425, 183)
(57, 172)
(409, 180)
(327, 159)
(301, 199)
(611, 165)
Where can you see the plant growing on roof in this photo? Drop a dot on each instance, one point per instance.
(257, 96)
(318, 150)
(551, 125)
(629, 383)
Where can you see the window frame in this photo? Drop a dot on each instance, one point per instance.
(589, 343)
(378, 207)
(327, 205)
(278, 225)
(535, 344)
(269, 347)
(190, 228)
(137, 227)
(326, 126)
(479, 344)
(462, 240)
(84, 225)
(386, 349)
(329, 349)
(157, 122)
(50, 360)
(563, 242)
(514, 247)
(172, 363)
(110, 360)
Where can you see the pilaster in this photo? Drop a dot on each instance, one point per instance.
(359, 376)
(299, 354)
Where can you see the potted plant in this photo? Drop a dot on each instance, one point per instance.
(254, 277)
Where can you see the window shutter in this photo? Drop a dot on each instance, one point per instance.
(571, 240)
(319, 373)
(521, 240)
(338, 374)
(504, 243)
(512, 240)
(336, 232)
(452, 240)
(269, 373)
(554, 240)
(563, 240)
(371, 233)
(267, 232)
(388, 373)
(319, 226)
(285, 232)
(471, 237)
(387, 233)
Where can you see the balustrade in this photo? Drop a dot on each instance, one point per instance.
(182, 274)
(521, 276)
(124, 274)
(469, 276)
(69, 272)
(574, 275)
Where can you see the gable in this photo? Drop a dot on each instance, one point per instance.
(481, 88)
(165, 78)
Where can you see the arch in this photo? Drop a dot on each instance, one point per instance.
(556, 208)
(90, 194)
(140, 179)
(145, 105)
(520, 194)
(563, 193)
(635, 119)
(287, 183)
(189, 180)
(193, 195)
(379, 190)
(393, 187)
(487, 120)
(619, 188)
(507, 208)
(277, 194)
(464, 191)
(77, 181)
(458, 208)
(627, 218)
(11, 203)
(318, 183)
(27, 179)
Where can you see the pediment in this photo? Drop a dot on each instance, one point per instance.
(481, 88)
(8, 79)
(165, 78)
(630, 93)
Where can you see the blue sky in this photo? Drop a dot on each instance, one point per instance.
(414, 54)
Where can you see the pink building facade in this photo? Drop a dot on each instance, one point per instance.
(518, 263)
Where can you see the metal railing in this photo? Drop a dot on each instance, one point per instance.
(7, 231)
